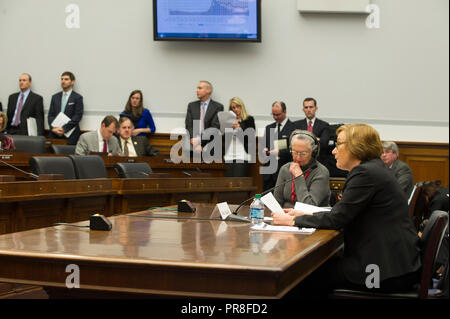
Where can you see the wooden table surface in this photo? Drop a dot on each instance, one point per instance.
(168, 253)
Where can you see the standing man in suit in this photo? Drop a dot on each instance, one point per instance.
(204, 111)
(101, 140)
(133, 145)
(401, 170)
(314, 125)
(23, 105)
(70, 103)
(276, 137)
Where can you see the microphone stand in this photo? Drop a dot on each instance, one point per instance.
(263, 193)
(18, 169)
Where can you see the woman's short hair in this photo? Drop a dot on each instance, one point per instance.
(240, 103)
(362, 141)
(306, 136)
(5, 121)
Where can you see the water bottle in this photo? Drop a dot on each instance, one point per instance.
(257, 210)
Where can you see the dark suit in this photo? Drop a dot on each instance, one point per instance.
(374, 215)
(33, 107)
(141, 146)
(269, 180)
(74, 110)
(404, 176)
(211, 119)
(319, 130)
(1, 107)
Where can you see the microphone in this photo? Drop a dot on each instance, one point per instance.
(187, 174)
(18, 169)
(265, 192)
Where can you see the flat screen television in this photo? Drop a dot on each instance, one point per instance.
(207, 20)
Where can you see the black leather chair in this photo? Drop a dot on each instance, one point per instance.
(133, 170)
(88, 166)
(431, 240)
(29, 144)
(63, 149)
(53, 165)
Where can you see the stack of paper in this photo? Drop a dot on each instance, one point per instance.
(289, 229)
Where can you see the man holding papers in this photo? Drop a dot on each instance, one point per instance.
(66, 111)
(374, 215)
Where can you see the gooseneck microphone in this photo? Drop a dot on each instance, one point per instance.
(266, 191)
(18, 169)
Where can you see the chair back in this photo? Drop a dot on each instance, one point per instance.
(89, 166)
(52, 165)
(29, 144)
(133, 170)
(431, 240)
(63, 149)
(418, 205)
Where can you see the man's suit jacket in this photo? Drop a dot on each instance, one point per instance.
(88, 142)
(269, 180)
(1, 107)
(74, 110)
(319, 130)
(141, 146)
(211, 118)
(374, 215)
(33, 107)
(404, 176)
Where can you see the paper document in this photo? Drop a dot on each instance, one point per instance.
(289, 229)
(306, 208)
(270, 201)
(61, 120)
(224, 210)
(32, 126)
(226, 119)
(280, 144)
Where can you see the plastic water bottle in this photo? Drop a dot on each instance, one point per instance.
(257, 210)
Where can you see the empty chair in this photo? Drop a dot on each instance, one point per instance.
(431, 240)
(89, 166)
(63, 149)
(29, 144)
(53, 165)
(133, 170)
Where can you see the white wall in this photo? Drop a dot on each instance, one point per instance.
(394, 78)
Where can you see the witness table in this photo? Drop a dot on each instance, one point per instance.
(166, 253)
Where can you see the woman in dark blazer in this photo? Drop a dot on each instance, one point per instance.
(374, 215)
(236, 150)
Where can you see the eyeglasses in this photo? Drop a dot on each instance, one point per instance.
(299, 153)
(340, 143)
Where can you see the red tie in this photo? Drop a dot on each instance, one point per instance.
(105, 147)
(310, 126)
(19, 110)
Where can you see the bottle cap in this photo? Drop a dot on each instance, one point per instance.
(257, 195)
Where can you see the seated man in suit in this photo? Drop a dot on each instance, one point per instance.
(312, 124)
(204, 111)
(277, 143)
(24, 105)
(101, 140)
(70, 103)
(133, 145)
(401, 170)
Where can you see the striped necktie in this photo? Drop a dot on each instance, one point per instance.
(64, 102)
(19, 110)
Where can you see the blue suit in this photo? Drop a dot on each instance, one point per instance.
(74, 110)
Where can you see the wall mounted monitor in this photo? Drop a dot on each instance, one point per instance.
(207, 20)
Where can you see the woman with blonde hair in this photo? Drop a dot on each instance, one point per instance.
(236, 149)
(6, 143)
(374, 216)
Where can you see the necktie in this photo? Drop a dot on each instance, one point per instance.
(19, 110)
(125, 149)
(64, 102)
(278, 130)
(310, 128)
(202, 116)
(105, 147)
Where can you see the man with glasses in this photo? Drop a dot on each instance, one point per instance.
(276, 138)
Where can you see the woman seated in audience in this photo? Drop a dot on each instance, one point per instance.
(381, 244)
(236, 151)
(310, 180)
(6, 143)
(140, 116)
